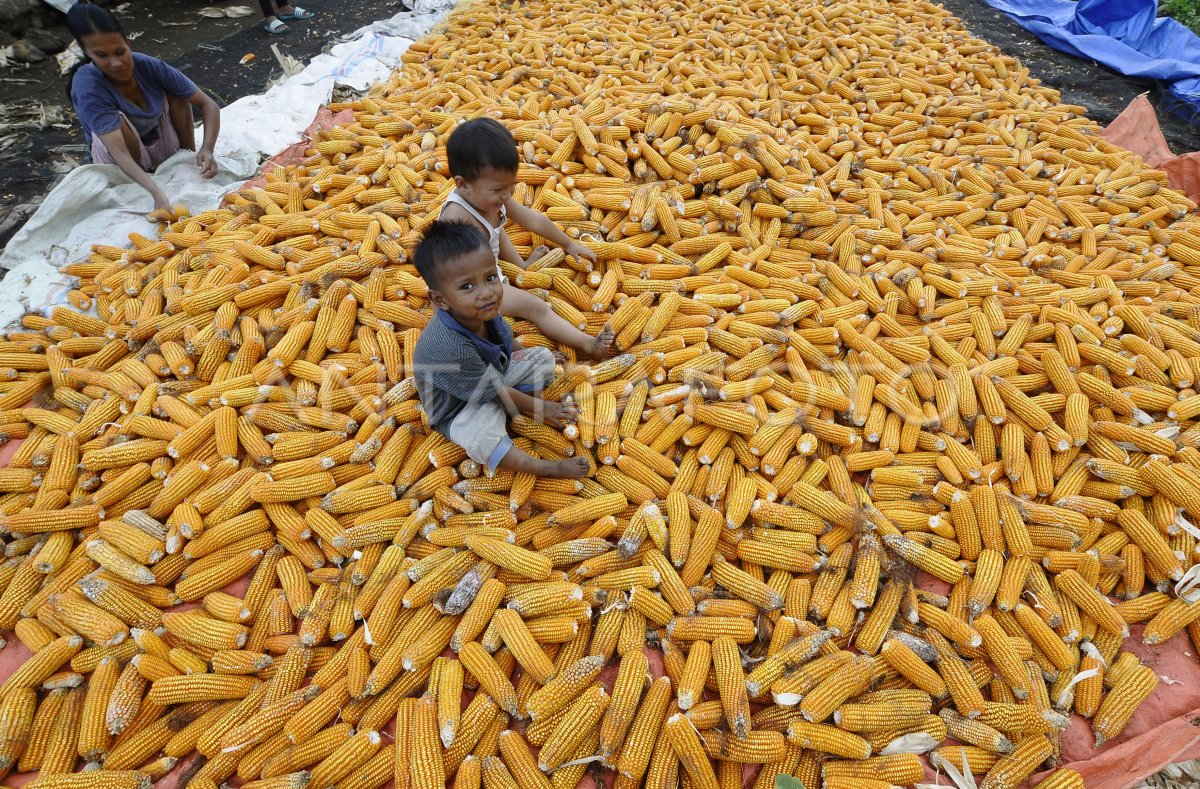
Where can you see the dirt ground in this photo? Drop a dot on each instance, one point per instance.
(1105, 93)
(209, 51)
(206, 49)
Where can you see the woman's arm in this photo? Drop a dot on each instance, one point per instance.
(211, 114)
(114, 141)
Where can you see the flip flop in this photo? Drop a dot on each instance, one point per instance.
(297, 13)
(275, 27)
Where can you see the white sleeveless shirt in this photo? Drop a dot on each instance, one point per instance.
(493, 232)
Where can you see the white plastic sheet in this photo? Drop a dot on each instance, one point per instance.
(98, 204)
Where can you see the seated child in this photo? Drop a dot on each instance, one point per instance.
(470, 372)
(482, 156)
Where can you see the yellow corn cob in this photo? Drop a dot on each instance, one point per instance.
(732, 682)
(828, 739)
(511, 557)
(1061, 779)
(689, 749)
(483, 667)
(96, 779)
(17, 710)
(576, 723)
(588, 510)
(183, 688)
(1015, 767)
(355, 752)
(1129, 689)
(523, 646)
(897, 768)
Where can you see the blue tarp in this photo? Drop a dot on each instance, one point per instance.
(1124, 35)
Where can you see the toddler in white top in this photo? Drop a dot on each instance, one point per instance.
(482, 155)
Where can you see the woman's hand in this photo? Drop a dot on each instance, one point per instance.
(206, 162)
(167, 213)
(162, 209)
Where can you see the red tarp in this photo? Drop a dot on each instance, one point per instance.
(1136, 129)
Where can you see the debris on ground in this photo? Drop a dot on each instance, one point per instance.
(232, 12)
(1185, 775)
(17, 120)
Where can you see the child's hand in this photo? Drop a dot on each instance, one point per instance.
(557, 414)
(577, 250)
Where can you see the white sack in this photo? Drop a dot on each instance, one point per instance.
(96, 203)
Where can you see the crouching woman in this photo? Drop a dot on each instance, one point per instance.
(136, 110)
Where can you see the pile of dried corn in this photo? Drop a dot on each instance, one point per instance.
(885, 305)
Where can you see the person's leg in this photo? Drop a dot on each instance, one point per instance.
(289, 11)
(520, 304)
(274, 25)
(176, 114)
(182, 126)
(521, 462)
(530, 370)
(480, 430)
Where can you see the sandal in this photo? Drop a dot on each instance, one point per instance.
(275, 27)
(297, 13)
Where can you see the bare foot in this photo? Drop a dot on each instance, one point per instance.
(537, 253)
(604, 345)
(571, 468)
(520, 461)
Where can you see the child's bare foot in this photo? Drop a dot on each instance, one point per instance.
(604, 344)
(537, 253)
(520, 461)
(571, 468)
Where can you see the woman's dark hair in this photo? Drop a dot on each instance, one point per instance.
(479, 145)
(84, 19)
